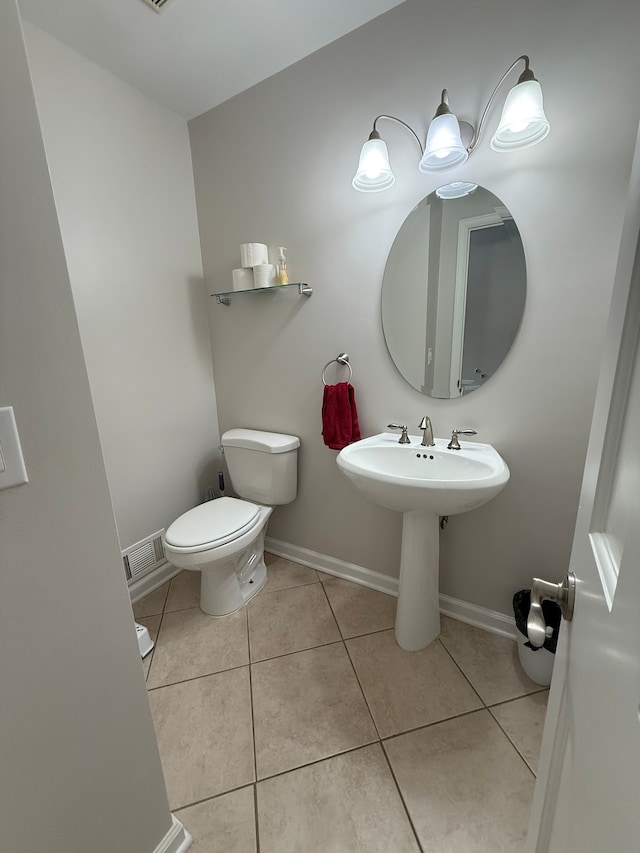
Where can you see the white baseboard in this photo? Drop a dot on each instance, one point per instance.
(479, 617)
(332, 566)
(463, 611)
(153, 580)
(177, 840)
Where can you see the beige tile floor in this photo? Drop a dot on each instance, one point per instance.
(298, 724)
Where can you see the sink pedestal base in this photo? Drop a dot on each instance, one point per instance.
(418, 610)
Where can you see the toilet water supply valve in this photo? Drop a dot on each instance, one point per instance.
(211, 493)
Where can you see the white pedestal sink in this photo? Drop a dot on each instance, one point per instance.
(422, 483)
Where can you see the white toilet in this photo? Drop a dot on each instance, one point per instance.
(224, 538)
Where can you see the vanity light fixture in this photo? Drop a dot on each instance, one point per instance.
(450, 141)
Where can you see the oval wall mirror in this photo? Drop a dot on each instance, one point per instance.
(453, 293)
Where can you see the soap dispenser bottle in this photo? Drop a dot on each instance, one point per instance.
(283, 272)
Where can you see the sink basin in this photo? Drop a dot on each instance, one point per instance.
(422, 483)
(433, 479)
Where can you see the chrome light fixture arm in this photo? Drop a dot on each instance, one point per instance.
(400, 122)
(527, 74)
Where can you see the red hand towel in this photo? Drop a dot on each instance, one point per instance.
(339, 416)
(355, 426)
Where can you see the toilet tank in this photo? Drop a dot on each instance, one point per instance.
(263, 466)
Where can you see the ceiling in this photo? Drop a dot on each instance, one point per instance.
(195, 54)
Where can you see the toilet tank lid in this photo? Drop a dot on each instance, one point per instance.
(267, 442)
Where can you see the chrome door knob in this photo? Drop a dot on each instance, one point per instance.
(564, 595)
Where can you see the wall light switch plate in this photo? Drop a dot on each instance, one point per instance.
(12, 467)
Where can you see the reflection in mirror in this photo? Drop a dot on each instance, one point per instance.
(453, 293)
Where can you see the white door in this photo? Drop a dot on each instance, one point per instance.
(587, 798)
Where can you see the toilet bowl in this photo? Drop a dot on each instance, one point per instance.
(223, 539)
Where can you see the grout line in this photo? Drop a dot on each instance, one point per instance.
(149, 656)
(255, 814)
(285, 588)
(166, 598)
(161, 615)
(250, 662)
(378, 740)
(138, 617)
(191, 607)
(364, 695)
(487, 705)
(515, 698)
(255, 765)
(432, 724)
(152, 653)
(319, 760)
(297, 651)
(402, 799)
(212, 797)
(354, 636)
(512, 742)
(355, 672)
(253, 662)
(370, 633)
(463, 673)
(248, 635)
(155, 645)
(196, 677)
(253, 716)
(332, 611)
(162, 606)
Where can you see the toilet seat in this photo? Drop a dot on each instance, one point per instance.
(212, 524)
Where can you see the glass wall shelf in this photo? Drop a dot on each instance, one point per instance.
(225, 298)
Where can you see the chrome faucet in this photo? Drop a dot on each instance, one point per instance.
(427, 435)
(404, 438)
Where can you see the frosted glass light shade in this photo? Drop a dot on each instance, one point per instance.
(374, 172)
(523, 121)
(444, 147)
(456, 189)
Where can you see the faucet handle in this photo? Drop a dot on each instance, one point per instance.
(454, 444)
(404, 438)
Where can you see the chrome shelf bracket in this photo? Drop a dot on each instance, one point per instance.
(304, 289)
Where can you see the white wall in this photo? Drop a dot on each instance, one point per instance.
(80, 769)
(275, 164)
(123, 185)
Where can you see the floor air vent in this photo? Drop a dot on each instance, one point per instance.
(157, 4)
(143, 557)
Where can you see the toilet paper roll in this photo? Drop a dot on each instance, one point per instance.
(252, 254)
(242, 279)
(264, 275)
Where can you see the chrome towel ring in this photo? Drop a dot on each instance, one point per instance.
(342, 359)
